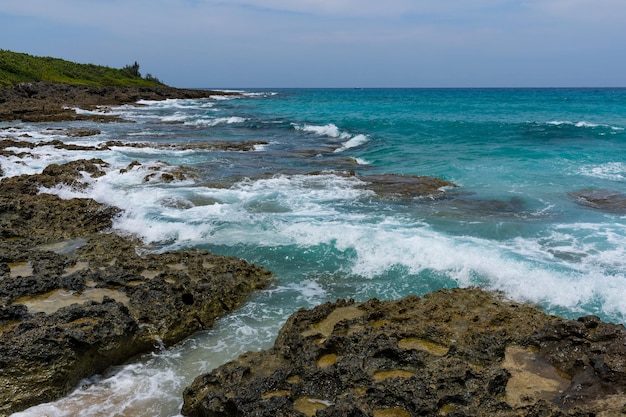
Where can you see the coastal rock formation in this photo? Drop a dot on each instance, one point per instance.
(75, 299)
(406, 186)
(461, 352)
(397, 186)
(46, 102)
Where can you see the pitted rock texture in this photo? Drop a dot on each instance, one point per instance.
(461, 352)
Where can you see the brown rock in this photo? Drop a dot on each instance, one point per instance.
(47, 102)
(461, 352)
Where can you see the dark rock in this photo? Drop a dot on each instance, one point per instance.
(462, 352)
(79, 132)
(48, 102)
(398, 187)
(605, 200)
(402, 186)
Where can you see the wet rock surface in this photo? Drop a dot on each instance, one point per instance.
(461, 352)
(406, 186)
(18, 148)
(47, 102)
(76, 299)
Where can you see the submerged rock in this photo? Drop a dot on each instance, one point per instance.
(406, 186)
(75, 299)
(462, 352)
(397, 186)
(605, 200)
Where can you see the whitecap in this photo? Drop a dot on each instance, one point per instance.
(329, 130)
(583, 124)
(357, 140)
(614, 171)
(217, 121)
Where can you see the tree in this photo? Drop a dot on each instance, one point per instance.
(133, 70)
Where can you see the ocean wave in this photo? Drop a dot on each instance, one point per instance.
(583, 124)
(176, 117)
(357, 140)
(329, 130)
(614, 171)
(217, 121)
(332, 131)
(259, 94)
(176, 103)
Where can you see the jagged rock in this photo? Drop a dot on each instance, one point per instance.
(75, 300)
(461, 352)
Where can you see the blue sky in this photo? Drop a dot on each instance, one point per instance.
(333, 43)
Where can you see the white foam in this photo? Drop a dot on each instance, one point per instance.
(583, 124)
(329, 130)
(521, 268)
(332, 131)
(358, 140)
(217, 121)
(176, 117)
(615, 171)
(36, 159)
(260, 94)
(572, 267)
(174, 104)
(223, 97)
(147, 132)
(137, 389)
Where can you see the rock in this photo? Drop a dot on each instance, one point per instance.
(48, 102)
(398, 187)
(461, 352)
(75, 299)
(406, 186)
(605, 200)
(79, 132)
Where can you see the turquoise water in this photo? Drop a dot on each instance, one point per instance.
(513, 223)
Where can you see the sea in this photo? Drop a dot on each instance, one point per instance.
(300, 202)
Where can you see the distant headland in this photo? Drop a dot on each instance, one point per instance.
(48, 89)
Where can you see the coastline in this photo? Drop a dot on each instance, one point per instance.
(76, 298)
(96, 262)
(53, 102)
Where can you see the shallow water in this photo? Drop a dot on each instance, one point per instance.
(513, 223)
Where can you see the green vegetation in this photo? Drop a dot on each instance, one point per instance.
(18, 67)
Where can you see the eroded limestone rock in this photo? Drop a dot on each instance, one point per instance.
(461, 352)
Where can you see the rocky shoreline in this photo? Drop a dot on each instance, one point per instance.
(461, 352)
(53, 102)
(76, 298)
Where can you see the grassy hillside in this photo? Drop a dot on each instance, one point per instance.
(18, 67)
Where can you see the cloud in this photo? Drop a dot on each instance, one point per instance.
(244, 42)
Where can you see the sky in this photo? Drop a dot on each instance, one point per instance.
(332, 43)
